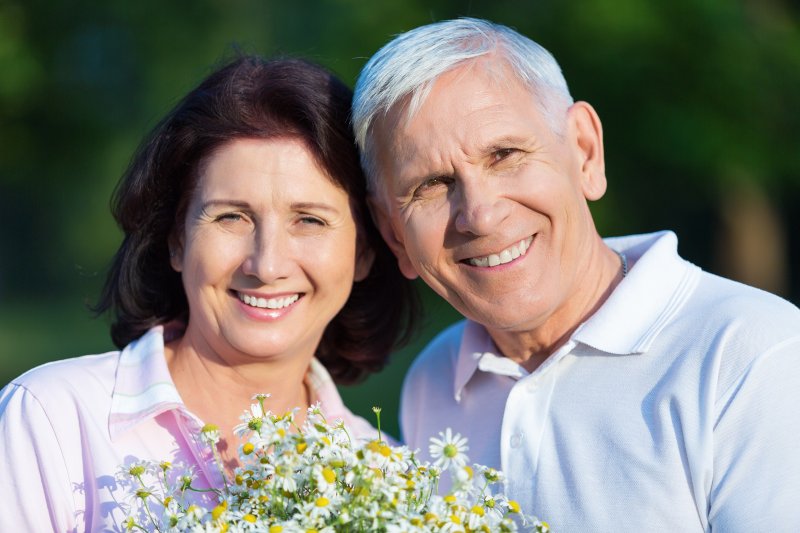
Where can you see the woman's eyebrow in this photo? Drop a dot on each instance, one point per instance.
(224, 203)
(314, 205)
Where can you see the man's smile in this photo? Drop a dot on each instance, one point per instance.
(504, 256)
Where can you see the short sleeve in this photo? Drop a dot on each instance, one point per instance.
(34, 485)
(756, 459)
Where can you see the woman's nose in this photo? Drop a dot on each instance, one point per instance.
(270, 257)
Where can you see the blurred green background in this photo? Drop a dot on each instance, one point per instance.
(699, 100)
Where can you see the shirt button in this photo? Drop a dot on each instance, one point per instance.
(532, 386)
(516, 440)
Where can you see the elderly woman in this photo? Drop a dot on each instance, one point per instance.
(249, 264)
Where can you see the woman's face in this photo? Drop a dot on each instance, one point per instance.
(268, 254)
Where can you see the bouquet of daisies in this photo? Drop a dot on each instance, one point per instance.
(314, 478)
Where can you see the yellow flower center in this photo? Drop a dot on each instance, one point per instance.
(218, 510)
(329, 475)
(322, 501)
(450, 451)
(251, 518)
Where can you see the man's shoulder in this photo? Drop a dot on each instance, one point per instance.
(440, 355)
(739, 326)
(725, 301)
(427, 393)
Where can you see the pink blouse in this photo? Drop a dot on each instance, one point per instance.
(67, 428)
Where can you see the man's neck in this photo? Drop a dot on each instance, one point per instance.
(531, 347)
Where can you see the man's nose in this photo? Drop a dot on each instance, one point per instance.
(480, 207)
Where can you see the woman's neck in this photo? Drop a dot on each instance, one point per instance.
(219, 393)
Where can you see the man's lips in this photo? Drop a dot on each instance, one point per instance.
(504, 256)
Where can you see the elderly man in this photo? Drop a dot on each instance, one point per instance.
(618, 386)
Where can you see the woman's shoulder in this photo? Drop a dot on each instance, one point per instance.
(78, 377)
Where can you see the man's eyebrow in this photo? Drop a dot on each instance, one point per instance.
(506, 141)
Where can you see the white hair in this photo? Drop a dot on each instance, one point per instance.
(405, 69)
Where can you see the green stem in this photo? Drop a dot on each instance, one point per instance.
(220, 467)
(150, 515)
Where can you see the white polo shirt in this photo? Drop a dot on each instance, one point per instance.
(675, 407)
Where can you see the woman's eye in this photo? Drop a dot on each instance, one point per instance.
(312, 221)
(229, 217)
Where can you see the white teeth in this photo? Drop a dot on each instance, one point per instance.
(506, 256)
(269, 303)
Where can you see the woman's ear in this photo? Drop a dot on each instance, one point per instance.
(365, 257)
(392, 236)
(586, 134)
(175, 244)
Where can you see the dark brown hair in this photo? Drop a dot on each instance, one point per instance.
(263, 99)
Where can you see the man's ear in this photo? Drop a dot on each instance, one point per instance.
(586, 134)
(383, 221)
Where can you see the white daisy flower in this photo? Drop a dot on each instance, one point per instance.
(316, 478)
(449, 449)
(252, 420)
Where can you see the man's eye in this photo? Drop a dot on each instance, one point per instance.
(432, 183)
(503, 153)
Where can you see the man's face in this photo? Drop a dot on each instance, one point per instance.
(485, 202)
